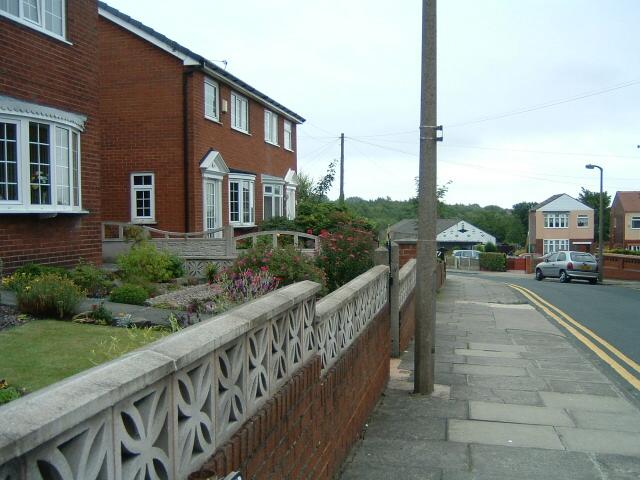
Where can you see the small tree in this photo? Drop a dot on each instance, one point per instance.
(490, 247)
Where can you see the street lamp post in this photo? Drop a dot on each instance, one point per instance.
(600, 226)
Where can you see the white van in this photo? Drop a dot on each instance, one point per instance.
(475, 254)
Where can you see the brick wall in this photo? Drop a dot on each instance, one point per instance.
(621, 267)
(407, 252)
(38, 68)
(308, 428)
(407, 322)
(142, 106)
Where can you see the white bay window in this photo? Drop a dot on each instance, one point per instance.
(272, 201)
(39, 165)
(241, 199)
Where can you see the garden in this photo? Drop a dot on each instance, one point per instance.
(45, 338)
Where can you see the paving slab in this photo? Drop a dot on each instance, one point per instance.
(485, 353)
(497, 347)
(565, 386)
(600, 441)
(528, 320)
(361, 469)
(531, 464)
(619, 467)
(593, 403)
(504, 362)
(503, 412)
(569, 375)
(620, 422)
(489, 370)
(519, 397)
(386, 424)
(506, 434)
(508, 383)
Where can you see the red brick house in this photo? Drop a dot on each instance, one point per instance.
(625, 220)
(186, 146)
(49, 132)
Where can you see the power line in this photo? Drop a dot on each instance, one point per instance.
(520, 111)
(542, 152)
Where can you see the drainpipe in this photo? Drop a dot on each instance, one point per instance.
(185, 144)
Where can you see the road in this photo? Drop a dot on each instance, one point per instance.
(611, 311)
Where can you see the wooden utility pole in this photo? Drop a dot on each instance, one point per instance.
(426, 247)
(341, 167)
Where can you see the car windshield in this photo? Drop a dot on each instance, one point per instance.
(582, 257)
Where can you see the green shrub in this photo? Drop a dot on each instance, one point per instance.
(101, 314)
(49, 295)
(8, 394)
(279, 223)
(145, 262)
(129, 293)
(93, 280)
(346, 253)
(286, 264)
(622, 251)
(25, 273)
(211, 270)
(490, 247)
(493, 262)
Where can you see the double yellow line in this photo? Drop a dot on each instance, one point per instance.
(592, 341)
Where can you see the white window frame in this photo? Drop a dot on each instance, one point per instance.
(288, 136)
(150, 219)
(633, 248)
(271, 197)
(270, 127)
(239, 120)
(291, 202)
(40, 23)
(633, 220)
(246, 183)
(59, 187)
(556, 220)
(211, 105)
(216, 183)
(554, 245)
(586, 221)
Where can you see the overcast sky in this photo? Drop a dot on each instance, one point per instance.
(353, 66)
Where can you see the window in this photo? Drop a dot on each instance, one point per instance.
(270, 127)
(210, 99)
(239, 113)
(583, 221)
(635, 222)
(143, 198)
(39, 166)
(272, 201)
(241, 200)
(633, 248)
(212, 205)
(287, 135)
(43, 15)
(291, 202)
(556, 220)
(555, 245)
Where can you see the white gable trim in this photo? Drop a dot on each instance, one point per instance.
(465, 232)
(213, 165)
(564, 203)
(291, 178)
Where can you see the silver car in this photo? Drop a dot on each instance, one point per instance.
(567, 266)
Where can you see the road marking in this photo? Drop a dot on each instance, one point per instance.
(546, 306)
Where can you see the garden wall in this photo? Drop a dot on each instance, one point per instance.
(244, 387)
(621, 267)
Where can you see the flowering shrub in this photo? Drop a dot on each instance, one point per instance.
(346, 253)
(90, 278)
(49, 295)
(248, 284)
(286, 264)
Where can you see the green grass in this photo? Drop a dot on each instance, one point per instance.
(42, 352)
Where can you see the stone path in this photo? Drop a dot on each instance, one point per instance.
(515, 400)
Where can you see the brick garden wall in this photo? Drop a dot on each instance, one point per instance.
(622, 267)
(308, 428)
(38, 68)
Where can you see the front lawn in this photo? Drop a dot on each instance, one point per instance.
(43, 352)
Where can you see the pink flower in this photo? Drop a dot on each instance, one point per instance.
(264, 268)
(309, 231)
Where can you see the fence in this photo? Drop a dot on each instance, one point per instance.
(198, 249)
(162, 411)
(621, 267)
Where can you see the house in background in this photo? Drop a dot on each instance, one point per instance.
(625, 220)
(49, 133)
(186, 146)
(450, 233)
(560, 223)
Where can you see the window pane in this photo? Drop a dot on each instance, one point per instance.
(39, 174)
(8, 162)
(75, 156)
(234, 202)
(277, 206)
(53, 16)
(268, 207)
(210, 100)
(10, 6)
(246, 203)
(30, 10)
(63, 167)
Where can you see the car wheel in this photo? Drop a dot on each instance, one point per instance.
(593, 281)
(564, 278)
(539, 275)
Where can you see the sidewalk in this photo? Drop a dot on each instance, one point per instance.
(515, 400)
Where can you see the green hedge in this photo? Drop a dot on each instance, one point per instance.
(622, 251)
(494, 262)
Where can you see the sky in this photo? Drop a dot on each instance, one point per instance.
(353, 67)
